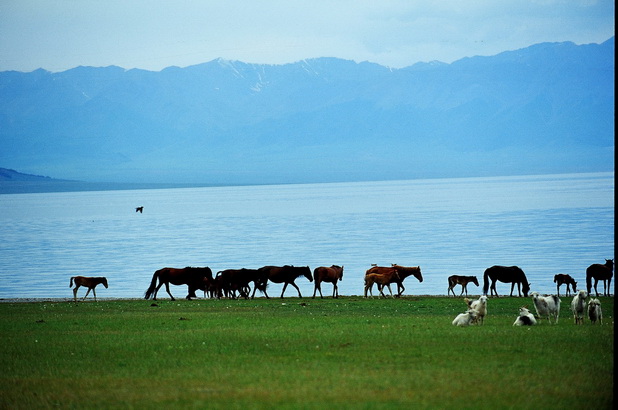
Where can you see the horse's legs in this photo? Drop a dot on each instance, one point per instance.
(335, 290)
(381, 289)
(167, 288)
(283, 291)
(94, 292)
(400, 288)
(492, 288)
(596, 281)
(609, 286)
(512, 288)
(299, 295)
(87, 292)
(316, 288)
(388, 285)
(75, 293)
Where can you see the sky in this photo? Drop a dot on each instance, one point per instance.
(57, 35)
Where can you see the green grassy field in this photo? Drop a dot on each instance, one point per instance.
(299, 353)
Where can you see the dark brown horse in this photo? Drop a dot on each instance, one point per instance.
(599, 272)
(331, 275)
(562, 279)
(455, 280)
(192, 277)
(233, 280)
(506, 274)
(88, 282)
(286, 274)
(404, 272)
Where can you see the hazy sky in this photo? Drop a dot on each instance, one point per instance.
(60, 34)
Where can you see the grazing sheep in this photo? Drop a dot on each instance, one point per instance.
(546, 306)
(578, 306)
(479, 306)
(594, 311)
(465, 319)
(525, 318)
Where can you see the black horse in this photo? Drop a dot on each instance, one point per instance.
(599, 272)
(232, 280)
(286, 274)
(507, 274)
(192, 277)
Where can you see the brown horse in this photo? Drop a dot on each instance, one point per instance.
(404, 272)
(562, 279)
(192, 277)
(599, 272)
(233, 280)
(88, 282)
(331, 275)
(507, 274)
(460, 280)
(383, 276)
(286, 274)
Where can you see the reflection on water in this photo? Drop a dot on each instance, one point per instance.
(545, 224)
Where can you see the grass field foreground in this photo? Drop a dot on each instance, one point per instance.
(349, 352)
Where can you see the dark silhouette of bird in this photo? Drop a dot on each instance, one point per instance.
(139, 209)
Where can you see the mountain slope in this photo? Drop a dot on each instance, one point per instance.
(545, 108)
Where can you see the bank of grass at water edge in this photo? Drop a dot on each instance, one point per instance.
(349, 352)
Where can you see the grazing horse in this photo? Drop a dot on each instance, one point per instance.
(233, 280)
(403, 272)
(286, 274)
(561, 279)
(507, 274)
(192, 277)
(460, 280)
(383, 276)
(88, 282)
(331, 275)
(600, 272)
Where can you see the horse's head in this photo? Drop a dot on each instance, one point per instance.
(341, 273)
(307, 272)
(418, 275)
(526, 288)
(104, 282)
(610, 264)
(475, 280)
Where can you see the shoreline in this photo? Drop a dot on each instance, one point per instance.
(112, 299)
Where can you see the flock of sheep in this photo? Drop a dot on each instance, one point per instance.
(545, 306)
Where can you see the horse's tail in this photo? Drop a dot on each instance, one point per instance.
(588, 281)
(486, 281)
(71, 282)
(153, 285)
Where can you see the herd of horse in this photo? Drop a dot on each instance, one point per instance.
(234, 283)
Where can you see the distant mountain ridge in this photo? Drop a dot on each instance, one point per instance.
(12, 175)
(546, 108)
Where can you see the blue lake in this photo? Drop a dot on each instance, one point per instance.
(545, 224)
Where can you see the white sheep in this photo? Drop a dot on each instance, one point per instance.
(525, 318)
(465, 319)
(546, 306)
(578, 306)
(594, 311)
(479, 306)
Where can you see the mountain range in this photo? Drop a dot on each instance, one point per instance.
(547, 108)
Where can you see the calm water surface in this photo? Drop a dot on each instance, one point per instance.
(544, 224)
